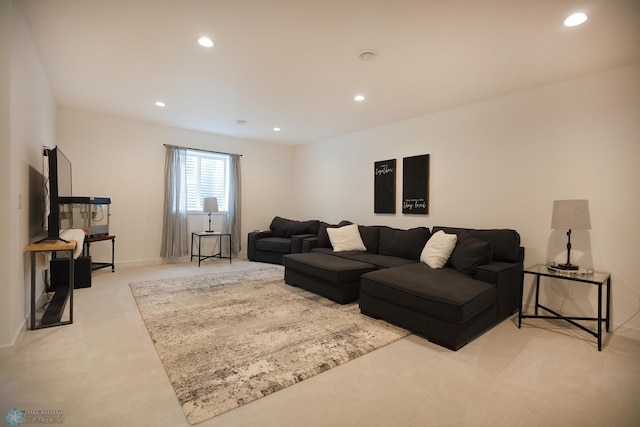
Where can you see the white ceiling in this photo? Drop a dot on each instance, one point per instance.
(293, 63)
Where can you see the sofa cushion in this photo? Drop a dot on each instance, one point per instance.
(442, 293)
(438, 249)
(403, 243)
(283, 227)
(323, 237)
(345, 254)
(470, 253)
(381, 261)
(327, 267)
(346, 238)
(370, 237)
(505, 243)
(274, 244)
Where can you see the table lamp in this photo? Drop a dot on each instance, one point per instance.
(570, 215)
(210, 205)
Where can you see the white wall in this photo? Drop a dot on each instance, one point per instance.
(29, 123)
(124, 159)
(500, 164)
(6, 327)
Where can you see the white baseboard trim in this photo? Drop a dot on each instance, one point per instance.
(8, 351)
(626, 332)
(159, 261)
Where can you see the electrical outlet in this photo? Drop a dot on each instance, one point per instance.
(20, 201)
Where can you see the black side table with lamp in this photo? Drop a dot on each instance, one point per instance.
(570, 215)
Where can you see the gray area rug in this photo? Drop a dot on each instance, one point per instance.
(230, 338)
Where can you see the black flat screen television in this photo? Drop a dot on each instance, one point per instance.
(37, 228)
(59, 186)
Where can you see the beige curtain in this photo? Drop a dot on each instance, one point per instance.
(175, 231)
(235, 195)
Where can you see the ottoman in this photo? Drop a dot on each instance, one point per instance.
(446, 307)
(329, 276)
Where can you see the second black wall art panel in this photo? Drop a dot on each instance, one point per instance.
(415, 185)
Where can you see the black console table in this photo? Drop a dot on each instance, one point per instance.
(597, 278)
(53, 314)
(200, 235)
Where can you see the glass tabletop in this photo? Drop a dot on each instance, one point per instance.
(210, 233)
(577, 275)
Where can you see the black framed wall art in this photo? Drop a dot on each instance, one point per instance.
(415, 185)
(384, 186)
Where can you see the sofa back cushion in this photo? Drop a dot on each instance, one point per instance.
(283, 227)
(469, 253)
(371, 237)
(505, 243)
(403, 243)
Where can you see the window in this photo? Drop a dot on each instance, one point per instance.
(207, 176)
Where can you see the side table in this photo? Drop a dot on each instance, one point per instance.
(597, 278)
(200, 235)
(53, 314)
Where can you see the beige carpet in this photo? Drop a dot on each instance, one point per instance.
(231, 338)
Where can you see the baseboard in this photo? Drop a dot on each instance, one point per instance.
(626, 332)
(158, 261)
(145, 263)
(8, 351)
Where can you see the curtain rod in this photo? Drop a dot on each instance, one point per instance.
(200, 149)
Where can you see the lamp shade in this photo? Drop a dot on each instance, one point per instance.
(210, 204)
(571, 215)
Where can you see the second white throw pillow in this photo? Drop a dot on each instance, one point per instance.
(438, 249)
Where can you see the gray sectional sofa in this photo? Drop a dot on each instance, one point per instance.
(476, 289)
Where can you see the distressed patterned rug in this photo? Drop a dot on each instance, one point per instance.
(230, 338)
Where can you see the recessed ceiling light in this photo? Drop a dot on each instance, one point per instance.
(160, 104)
(276, 129)
(359, 98)
(205, 41)
(575, 19)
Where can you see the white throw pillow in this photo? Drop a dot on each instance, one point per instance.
(438, 249)
(346, 238)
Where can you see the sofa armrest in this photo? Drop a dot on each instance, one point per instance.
(507, 278)
(309, 243)
(252, 238)
(296, 242)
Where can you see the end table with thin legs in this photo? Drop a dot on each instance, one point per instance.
(597, 278)
(204, 234)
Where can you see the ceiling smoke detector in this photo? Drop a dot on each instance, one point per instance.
(366, 55)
